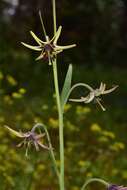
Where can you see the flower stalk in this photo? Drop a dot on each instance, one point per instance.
(94, 180)
(60, 111)
(48, 50)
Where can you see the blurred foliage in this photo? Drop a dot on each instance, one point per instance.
(95, 141)
(98, 27)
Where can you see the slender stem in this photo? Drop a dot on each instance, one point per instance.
(61, 133)
(50, 146)
(80, 84)
(60, 111)
(77, 85)
(31, 177)
(54, 15)
(94, 180)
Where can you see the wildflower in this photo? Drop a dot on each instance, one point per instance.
(49, 48)
(116, 187)
(95, 94)
(29, 138)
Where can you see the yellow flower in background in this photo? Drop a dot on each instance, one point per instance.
(95, 127)
(22, 90)
(11, 80)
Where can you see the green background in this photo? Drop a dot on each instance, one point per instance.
(95, 141)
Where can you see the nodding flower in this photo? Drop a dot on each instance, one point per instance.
(30, 138)
(94, 94)
(116, 187)
(49, 48)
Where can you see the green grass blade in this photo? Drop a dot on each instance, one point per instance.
(66, 87)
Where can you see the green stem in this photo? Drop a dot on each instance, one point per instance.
(80, 84)
(61, 134)
(51, 152)
(60, 111)
(50, 147)
(94, 180)
(54, 15)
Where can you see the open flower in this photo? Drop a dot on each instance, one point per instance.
(29, 138)
(116, 187)
(94, 94)
(49, 49)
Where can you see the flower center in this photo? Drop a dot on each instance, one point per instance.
(48, 47)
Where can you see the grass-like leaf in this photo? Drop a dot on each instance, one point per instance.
(66, 87)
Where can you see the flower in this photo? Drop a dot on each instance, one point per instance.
(29, 138)
(49, 49)
(94, 94)
(116, 187)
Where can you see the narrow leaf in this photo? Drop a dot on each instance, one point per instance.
(66, 87)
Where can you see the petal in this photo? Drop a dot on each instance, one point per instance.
(40, 56)
(36, 48)
(43, 146)
(39, 136)
(76, 100)
(122, 188)
(57, 35)
(27, 148)
(49, 58)
(40, 42)
(102, 87)
(21, 144)
(89, 98)
(57, 52)
(110, 90)
(36, 146)
(86, 99)
(18, 134)
(65, 47)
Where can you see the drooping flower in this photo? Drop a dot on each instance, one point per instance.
(94, 95)
(29, 138)
(116, 187)
(49, 48)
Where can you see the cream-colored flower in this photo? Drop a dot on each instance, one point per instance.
(94, 95)
(49, 49)
(29, 138)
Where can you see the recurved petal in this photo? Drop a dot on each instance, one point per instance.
(64, 47)
(43, 146)
(110, 90)
(116, 187)
(40, 136)
(102, 87)
(36, 146)
(36, 48)
(76, 100)
(38, 40)
(49, 58)
(89, 98)
(21, 144)
(56, 37)
(18, 134)
(122, 188)
(40, 56)
(57, 52)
